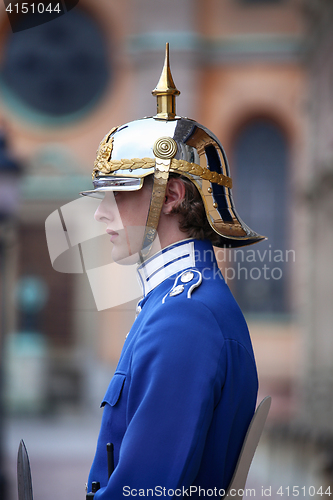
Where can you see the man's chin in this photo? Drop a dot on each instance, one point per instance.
(123, 259)
(127, 247)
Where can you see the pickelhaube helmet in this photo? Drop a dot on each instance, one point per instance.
(164, 144)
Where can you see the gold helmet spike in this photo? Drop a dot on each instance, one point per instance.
(166, 92)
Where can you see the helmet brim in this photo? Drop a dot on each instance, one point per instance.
(104, 184)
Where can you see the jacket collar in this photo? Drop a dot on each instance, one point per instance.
(172, 260)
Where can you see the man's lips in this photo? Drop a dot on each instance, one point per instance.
(113, 234)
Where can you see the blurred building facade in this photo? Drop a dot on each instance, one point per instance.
(257, 74)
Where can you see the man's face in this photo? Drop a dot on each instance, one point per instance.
(125, 216)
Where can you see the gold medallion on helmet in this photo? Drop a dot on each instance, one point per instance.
(165, 148)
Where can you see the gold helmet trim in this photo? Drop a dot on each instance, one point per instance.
(177, 166)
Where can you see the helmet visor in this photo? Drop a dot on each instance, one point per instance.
(107, 183)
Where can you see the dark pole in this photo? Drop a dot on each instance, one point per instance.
(3, 323)
(3, 482)
(9, 172)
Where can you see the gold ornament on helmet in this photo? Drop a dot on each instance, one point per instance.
(168, 143)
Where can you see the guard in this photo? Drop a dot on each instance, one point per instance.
(184, 391)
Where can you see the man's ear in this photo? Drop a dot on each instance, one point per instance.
(174, 194)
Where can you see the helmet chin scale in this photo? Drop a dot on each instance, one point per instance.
(164, 149)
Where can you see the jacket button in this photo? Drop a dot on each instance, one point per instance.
(177, 290)
(187, 277)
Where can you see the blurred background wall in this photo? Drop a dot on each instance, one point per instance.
(259, 74)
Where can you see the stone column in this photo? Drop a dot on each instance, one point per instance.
(317, 314)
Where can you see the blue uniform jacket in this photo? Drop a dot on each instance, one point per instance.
(184, 391)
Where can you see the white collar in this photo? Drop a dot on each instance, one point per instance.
(161, 266)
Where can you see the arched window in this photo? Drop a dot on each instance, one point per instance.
(260, 193)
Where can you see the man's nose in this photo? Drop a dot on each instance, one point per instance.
(98, 214)
(105, 211)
